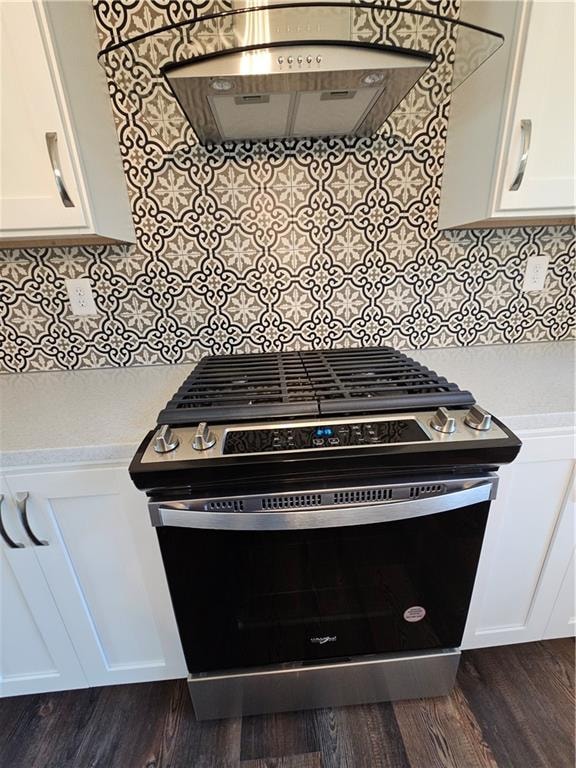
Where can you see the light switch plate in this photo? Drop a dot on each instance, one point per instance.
(535, 273)
(81, 296)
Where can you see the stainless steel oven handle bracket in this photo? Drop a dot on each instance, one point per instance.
(177, 515)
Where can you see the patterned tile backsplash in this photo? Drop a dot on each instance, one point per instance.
(276, 245)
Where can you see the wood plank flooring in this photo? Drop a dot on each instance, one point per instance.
(513, 707)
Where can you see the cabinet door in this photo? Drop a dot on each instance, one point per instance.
(104, 568)
(30, 198)
(511, 602)
(36, 654)
(545, 97)
(560, 570)
(562, 622)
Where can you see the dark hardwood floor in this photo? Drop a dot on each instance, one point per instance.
(513, 708)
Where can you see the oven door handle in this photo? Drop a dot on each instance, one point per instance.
(178, 516)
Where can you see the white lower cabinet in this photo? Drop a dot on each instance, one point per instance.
(560, 567)
(36, 653)
(524, 585)
(102, 564)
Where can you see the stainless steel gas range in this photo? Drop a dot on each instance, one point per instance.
(320, 516)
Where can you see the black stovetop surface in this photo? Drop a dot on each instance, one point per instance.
(310, 383)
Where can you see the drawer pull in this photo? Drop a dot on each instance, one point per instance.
(52, 145)
(4, 533)
(22, 504)
(526, 132)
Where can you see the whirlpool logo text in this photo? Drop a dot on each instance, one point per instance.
(323, 640)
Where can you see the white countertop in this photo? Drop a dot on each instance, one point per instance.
(102, 415)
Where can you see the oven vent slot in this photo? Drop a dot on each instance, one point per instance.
(226, 505)
(416, 491)
(364, 495)
(290, 502)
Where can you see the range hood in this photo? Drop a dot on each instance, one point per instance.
(294, 91)
(305, 69)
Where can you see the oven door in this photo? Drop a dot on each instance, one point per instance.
(322, 583)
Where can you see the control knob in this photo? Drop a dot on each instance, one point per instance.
(165, 441)
(443, 422)
(478, 418)
(203, 439)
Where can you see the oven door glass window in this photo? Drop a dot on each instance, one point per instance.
(247, 599)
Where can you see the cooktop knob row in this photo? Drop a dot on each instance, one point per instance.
(165, 441)
(478, 418)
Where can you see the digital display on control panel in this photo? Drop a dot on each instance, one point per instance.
(326, 436)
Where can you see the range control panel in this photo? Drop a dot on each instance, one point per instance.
(441, 427)
(323, 436)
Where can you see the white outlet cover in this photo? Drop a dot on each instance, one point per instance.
(535, 273)
(81, 296)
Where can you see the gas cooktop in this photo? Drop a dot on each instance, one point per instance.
(308, 383)
(259, 418)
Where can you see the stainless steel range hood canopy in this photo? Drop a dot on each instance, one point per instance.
(302, 69)
(294, 91)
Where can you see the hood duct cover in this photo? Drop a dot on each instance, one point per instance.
(302, 69)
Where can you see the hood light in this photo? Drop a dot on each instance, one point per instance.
(373, 78)
(221, 85)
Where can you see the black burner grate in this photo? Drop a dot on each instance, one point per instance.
(242, 387)
(377, 379)
(308, 383)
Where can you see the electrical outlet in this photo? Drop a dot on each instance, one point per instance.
(81, 296)
(535, 273)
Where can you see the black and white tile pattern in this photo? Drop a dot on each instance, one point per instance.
(274, 245)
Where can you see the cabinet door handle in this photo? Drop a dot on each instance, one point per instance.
(4, 533)
(52, 145)
(526, 133)
(22, 504)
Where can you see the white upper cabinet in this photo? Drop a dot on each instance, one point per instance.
(61, 173)
(545, 101)
(510, 154)
(30, 114)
